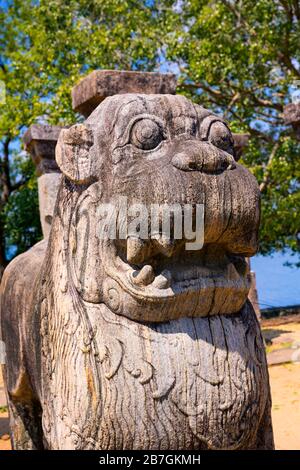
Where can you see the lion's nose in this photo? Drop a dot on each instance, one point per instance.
(202, 156)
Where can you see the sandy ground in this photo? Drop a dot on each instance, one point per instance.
(285, 388)
(283, 335)
(285, 385)
(4, 429)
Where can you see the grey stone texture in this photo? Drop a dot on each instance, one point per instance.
(40, 141)
(140, 344)
(100, 84)
(291, 116)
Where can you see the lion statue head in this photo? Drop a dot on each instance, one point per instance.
(147, 339)
(163, 150)
(140, 335)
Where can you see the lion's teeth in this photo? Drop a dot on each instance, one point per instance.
(135, 250)
(163, 281)
(144, 277)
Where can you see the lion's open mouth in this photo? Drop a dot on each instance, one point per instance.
(210, 281)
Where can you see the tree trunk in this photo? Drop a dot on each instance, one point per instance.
(5, 185)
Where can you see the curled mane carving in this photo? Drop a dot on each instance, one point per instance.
(143, 344)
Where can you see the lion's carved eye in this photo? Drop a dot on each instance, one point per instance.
(146, 134)
(220, 136)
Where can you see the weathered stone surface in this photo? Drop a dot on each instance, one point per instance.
(283, 356)
(40, 141)
(291, 113)
(127, 344)
(253, 296)
(103, 83)
(48, 185)
(291, 116)
(240, 142)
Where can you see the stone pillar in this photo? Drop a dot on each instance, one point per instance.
(103, 83)
(40, 141)
(291, 117)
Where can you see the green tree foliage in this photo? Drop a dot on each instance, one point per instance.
(22, 225)
(240, 58)
(45, 47)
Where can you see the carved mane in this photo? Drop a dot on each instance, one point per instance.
(188, 372)
(138, 344)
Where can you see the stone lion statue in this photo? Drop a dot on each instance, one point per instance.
(139, 343)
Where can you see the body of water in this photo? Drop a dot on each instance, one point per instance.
(277, 285)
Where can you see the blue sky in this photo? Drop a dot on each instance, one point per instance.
(277, 285)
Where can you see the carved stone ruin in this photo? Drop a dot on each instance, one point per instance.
(139, 343)
(100, 84)
(291, 117)
(253, 295)
(40, 141)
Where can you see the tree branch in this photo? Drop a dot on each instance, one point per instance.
(5, 174)
(296, 5)
(220, 95)
(19, 184)
(234, 99)
(284, 56)
(288, 10)
(266, 179)
(2, 66)
(260, 135)
(260, 101)
(5, 192)
(239, 17)
(285, 59)
(208, 89)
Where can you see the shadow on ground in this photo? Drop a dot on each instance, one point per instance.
(4, 425)
(270, 334)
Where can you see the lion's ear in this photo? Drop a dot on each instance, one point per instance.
(73, 153)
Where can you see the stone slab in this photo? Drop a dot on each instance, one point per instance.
(41, 132)
(99, 84)
(283, 356)
(291, 114)
(40, 141)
